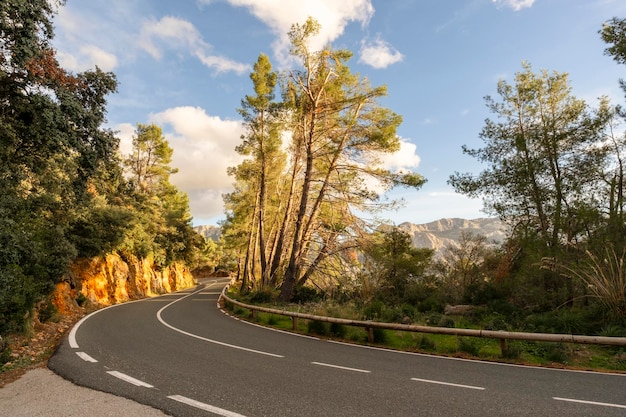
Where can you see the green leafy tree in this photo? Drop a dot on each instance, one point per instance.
(394, 264)
(337, 128)
(149, 162)
(541, 175)
(55, 158)
(162, 219)
(261, 144)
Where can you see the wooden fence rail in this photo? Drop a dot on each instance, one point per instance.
(503, 336)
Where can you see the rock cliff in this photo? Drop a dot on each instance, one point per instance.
(110, 280)
(447, 232)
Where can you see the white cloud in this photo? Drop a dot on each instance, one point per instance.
(379, 54)
(177, 33)
(516, 5)
(125, 132)
(87, 57)
(77, 52)
(172, 30)
(332, 15)
(403, 160)
(204, 147)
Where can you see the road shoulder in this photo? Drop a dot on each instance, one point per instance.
(41, 392)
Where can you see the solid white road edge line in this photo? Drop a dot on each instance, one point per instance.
(203, 406)
(572, 400)
(72, 336)
(345, 368)
(129, 379)
(217, 342)
(430, 381)
(86, 357)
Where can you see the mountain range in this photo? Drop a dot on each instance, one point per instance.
(446, 232)
(434, 235)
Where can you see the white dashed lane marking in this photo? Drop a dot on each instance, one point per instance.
(203, 406)
(129, 379)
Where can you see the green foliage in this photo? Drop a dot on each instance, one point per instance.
(318, 327)
(468, 345)
(18, 294)
(48, 312)
(426, 343)
(614, 33)
(381, 336)
(63, 195)
(305, 294)
(397, 265)
(81, 299)
(338, 330)
(262, 297)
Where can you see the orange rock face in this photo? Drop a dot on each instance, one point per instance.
(110, 280)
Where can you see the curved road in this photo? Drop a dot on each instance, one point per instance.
(181, 354)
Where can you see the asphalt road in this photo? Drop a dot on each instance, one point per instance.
(181, 354)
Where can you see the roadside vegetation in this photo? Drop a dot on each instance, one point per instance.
(301, 226)
(554, 174)
(66, 193)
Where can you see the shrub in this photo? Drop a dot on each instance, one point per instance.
(374, 310)
(337, 330)
(260, 297)
(468, 345)
(426, 343)
(17, 298)
(380, 336)
(317, 327)
(306, 295)
(48, 312)
(513, 350)
(446, 322)
(433, 303)
(81, 299)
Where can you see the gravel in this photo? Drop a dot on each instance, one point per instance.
(42, 393)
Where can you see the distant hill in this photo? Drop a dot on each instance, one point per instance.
(444, 232)
(434, 235)
(209, 232)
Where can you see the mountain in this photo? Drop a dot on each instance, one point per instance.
(209, 232)
(434, 235)
(444, 232)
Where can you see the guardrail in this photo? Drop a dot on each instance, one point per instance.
(502, 335)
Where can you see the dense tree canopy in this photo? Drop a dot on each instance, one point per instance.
(336, 130)
(63, 194)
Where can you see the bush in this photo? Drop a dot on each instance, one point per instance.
(513, 350)
(5, 351)
(374, 310)
(81, 299)
(48, 312)
(317, 327)
(380, 336)
(338, 330)
(261, 297)
(433, 303)
(426, 343)
(17, 297)
(468, 345)
(306, 295)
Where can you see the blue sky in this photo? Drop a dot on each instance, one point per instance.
(184, 65)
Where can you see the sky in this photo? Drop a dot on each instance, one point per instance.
(184, 65)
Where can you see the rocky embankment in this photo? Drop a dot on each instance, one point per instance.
(90, 284)
(110, 280)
